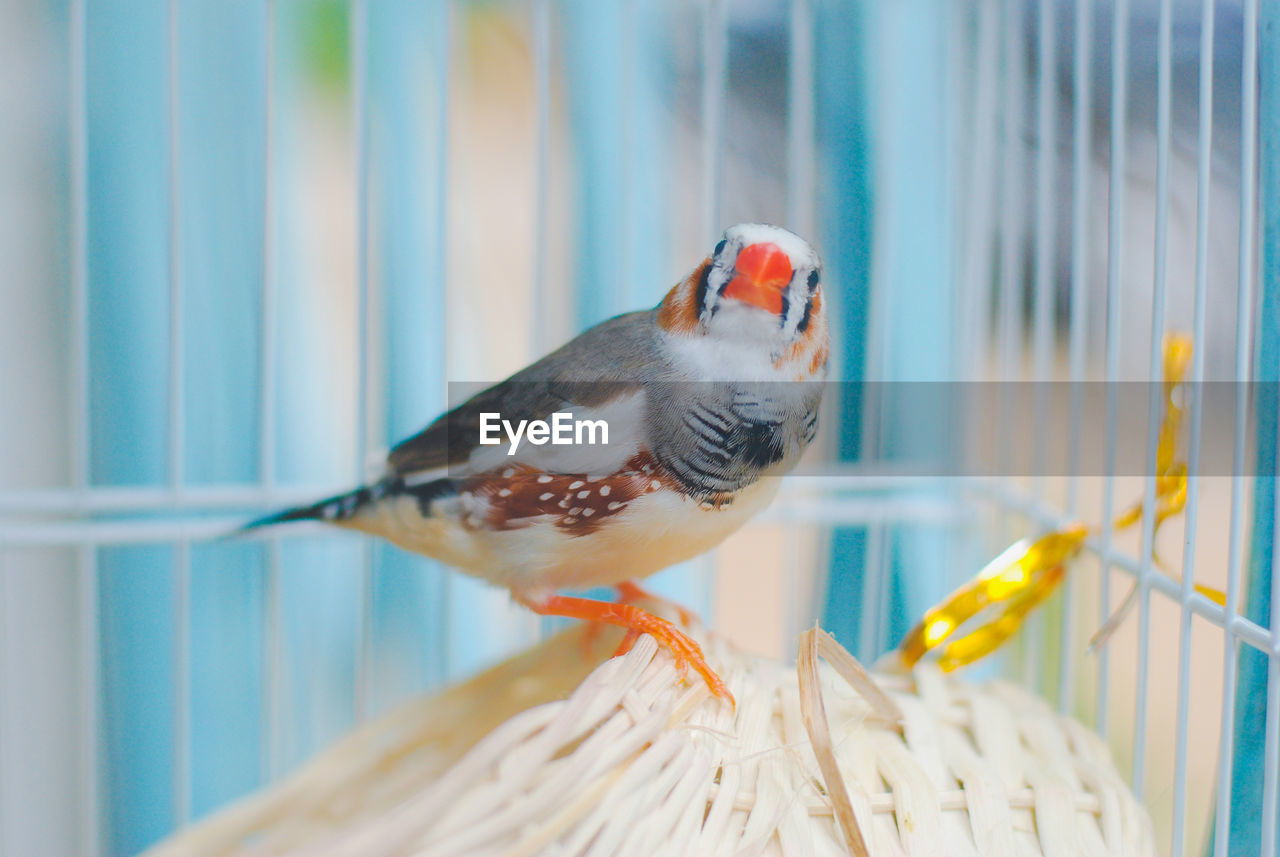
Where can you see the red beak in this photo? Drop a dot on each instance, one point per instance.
(761, 272)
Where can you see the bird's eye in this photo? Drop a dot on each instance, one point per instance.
(813, 280)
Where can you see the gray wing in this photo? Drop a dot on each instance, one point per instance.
(603, 363)
(719, 438)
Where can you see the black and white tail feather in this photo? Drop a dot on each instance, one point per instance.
(343, 508)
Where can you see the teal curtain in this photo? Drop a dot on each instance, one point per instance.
(883, 129)
(1250, 750)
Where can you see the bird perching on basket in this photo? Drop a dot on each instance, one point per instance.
(694, 407)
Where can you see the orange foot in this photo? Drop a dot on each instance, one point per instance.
(629, 592)
(686, 652)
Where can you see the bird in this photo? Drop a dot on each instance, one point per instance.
(696, 407)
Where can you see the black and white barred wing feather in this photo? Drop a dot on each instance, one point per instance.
(717, 438)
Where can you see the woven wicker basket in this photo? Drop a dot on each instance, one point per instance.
(634, 762)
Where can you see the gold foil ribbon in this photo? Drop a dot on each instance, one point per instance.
(991, 607)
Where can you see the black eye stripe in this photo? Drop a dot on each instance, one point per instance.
(719, 248)
(700, 299)
(804, 319)
(813, 281)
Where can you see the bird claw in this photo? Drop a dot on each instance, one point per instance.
(629, 592)
(682, 648)
(628, 642)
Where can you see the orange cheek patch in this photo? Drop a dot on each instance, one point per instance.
(679, 310)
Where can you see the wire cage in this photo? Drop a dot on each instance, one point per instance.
(251, 242)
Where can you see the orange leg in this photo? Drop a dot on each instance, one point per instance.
(686, 652)
(630, 592)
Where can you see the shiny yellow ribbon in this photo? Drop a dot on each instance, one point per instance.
(1001, 595)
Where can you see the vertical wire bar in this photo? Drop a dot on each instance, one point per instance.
(176, 368)
(1042, 310)
(78, 407)
(1159, 288)
(1046, 150)
(1115, 257)
(445, 59)
(800, 129)
(714, 78)
(715, 51)
(182, 685)
(1010, 282)
(1243, 373)
(799, 214)
(267, 369)
(873, 580)
(90, 796)
(272, 670)
(1082, 164)
(977, 259)
(791, 622)
(359, 109)
(541, 315)
(1011, 285)
(884, 600)
(267, 418)
(1204, 146)
(974, 344)
(626, 215)
(364, 338)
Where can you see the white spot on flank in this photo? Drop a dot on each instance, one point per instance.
(544, 479)
(604, 490)
(546, 497)
(576, 485)
(508, 473)
(505, 492)
(583, 494)
(588, 512)
(655, 485)
(615, 506)
(576, 510)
